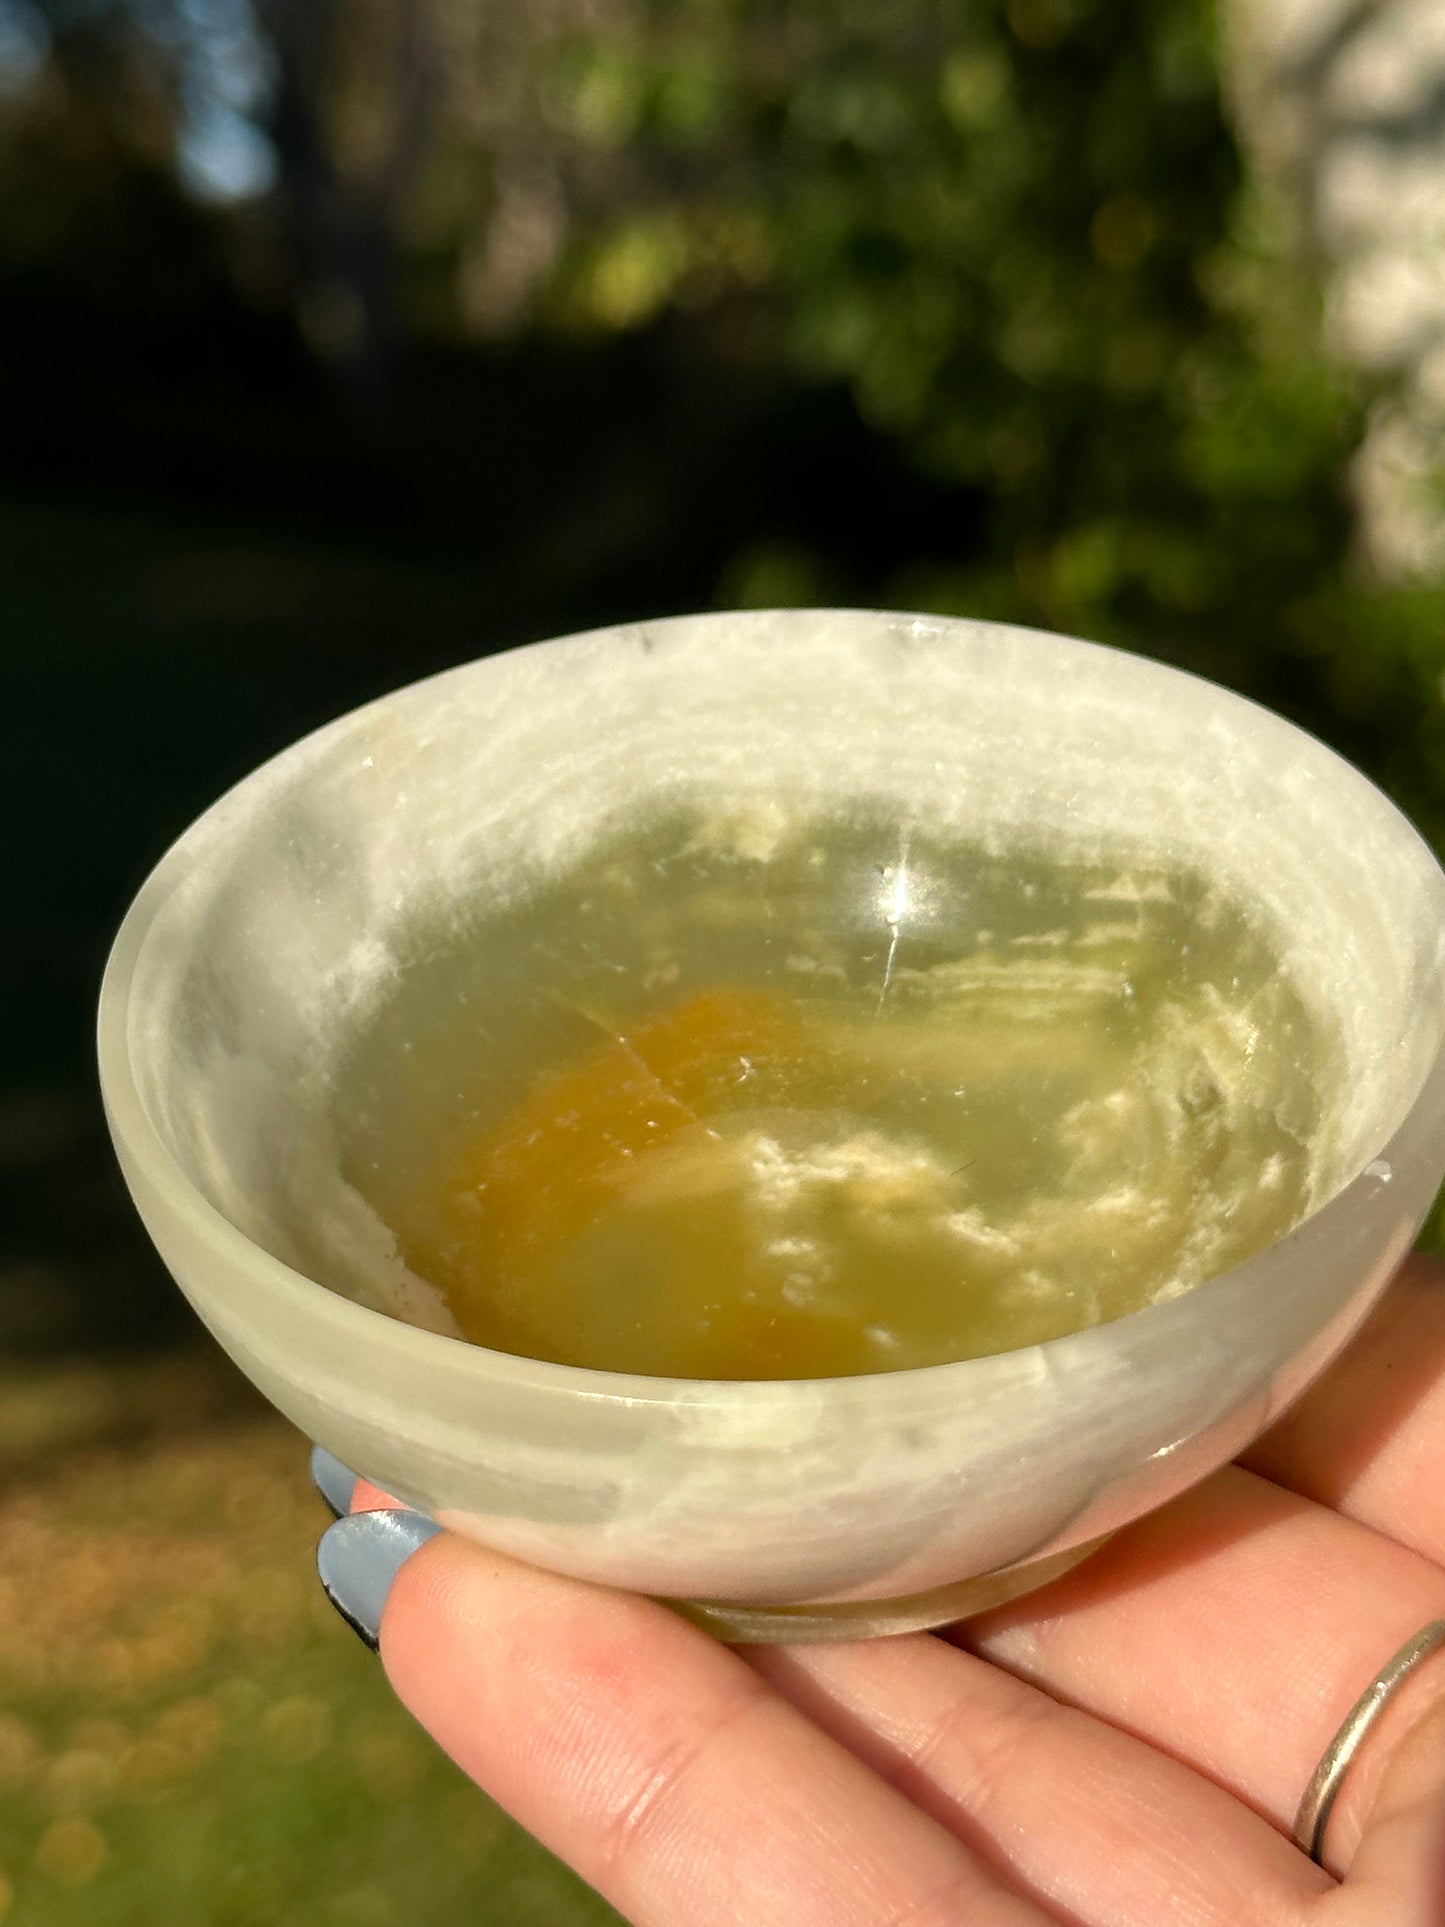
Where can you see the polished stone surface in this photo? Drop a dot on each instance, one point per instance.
(268, 929)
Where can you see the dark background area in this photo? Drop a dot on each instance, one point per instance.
(240, 565)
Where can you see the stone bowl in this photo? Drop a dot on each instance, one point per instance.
(794, 1509)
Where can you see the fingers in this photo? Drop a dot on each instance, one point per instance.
(1234, 1630)
(366, 1497)
(1099, 1828)
(1369, 1438)
(658, 1764)
(626, 1742)
(1397, 1871)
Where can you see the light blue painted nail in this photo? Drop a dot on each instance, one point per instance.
(360, 1556)
(333, 1480)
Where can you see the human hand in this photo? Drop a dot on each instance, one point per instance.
(1126, 1748)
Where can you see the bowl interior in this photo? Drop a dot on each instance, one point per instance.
(278, 925)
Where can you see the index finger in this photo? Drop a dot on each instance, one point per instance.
(657, 1764)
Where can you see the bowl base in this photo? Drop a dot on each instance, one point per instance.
(917, 1612)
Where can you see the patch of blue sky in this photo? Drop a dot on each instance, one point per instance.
(221, 156)
(226, 75)
(24, 45)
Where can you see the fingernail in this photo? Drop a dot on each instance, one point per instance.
(360, 1556)
(333, 1480)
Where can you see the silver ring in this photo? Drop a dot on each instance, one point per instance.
(1315, 1808)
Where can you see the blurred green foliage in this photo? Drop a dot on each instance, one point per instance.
(1018, 234)
(1022, 235)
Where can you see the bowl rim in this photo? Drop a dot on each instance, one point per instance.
(140, 1142)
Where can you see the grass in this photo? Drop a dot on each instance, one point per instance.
(187, 1732)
